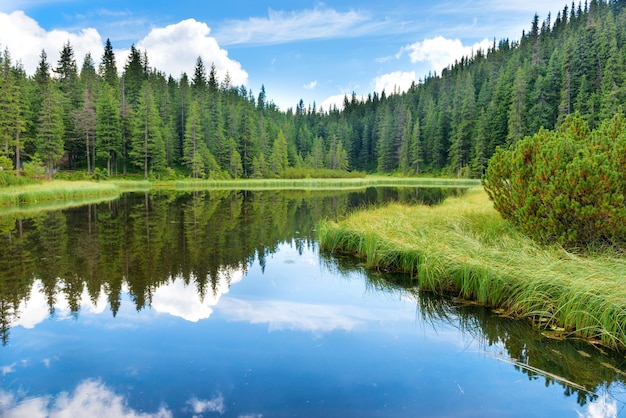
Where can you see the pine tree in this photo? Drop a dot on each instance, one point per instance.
(463, 128)
(517, 114)
(147, 149)
(108, 128)
(235, 167)
(71, 96)
(12, 120)
(50, 129)
(108, 67)
(192, 156)
(416, 158)
(278, 158)
(404, 161)
(385, 143)
(133, 77)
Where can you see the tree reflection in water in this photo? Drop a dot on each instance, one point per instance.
(143, 243)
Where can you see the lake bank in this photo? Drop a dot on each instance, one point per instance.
(66, 190)
(464, 247)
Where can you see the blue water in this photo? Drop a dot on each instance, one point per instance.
(297, 339)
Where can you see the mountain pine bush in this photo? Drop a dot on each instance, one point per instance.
(565, 186)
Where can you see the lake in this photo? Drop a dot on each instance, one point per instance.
(220, 304)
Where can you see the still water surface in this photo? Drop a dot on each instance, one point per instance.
(220, 304)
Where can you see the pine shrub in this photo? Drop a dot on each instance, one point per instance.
(565, 186)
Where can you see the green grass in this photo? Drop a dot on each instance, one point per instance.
(64, 190)
(55, 190)
(317, 183)
(464, 247)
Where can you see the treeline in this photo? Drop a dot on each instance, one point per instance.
(104, 121)
(453, 122)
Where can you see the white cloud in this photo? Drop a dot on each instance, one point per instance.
(175, 48)
(440, 52)
(282, 27)
(200, 406)
(282, 315)
(397, 81)
(177, 299)
(34, 309)
(336, 100)
(25, 39)
(601, 408)
(90, 399)
(311, 85)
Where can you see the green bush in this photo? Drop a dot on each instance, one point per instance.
(34, 169)
(565, 186)
(100, 174)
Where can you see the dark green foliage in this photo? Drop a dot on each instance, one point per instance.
(565, 186)
(446, 124)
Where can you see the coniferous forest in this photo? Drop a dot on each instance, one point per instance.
(121, 116)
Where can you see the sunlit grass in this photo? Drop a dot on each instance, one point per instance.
(344, 183)
(463, 246)
(56, 190)
(63, 190)
(31, 209)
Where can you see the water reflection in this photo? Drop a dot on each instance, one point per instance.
(249, 262)
(594, 375)
(144, 242)
(91, 398)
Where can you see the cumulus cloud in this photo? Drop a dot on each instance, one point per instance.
(91, 398)
(283, 315)
(440, 52)
(282, 27)
(311, 85)
(177, 299)
(201, 406)
(397, 81)
(25, 39)
(336, 100)
(603, 407)
(34, 309)
(175, 48)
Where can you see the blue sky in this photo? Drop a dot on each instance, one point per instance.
(310, 50)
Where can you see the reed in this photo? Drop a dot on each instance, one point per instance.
(56, 190)
(464, 247)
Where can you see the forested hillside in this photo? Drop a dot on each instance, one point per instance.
(121, 118)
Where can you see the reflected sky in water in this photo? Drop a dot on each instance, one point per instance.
(294, 338)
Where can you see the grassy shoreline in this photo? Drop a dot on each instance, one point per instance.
(463, 247)
(67, 190)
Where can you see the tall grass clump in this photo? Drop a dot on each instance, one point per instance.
(464, 247)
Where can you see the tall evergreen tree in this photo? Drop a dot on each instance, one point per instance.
(108, 128)
(50, 129)
(193, 145)
(108, 67)
(71, 97)
(147, 151)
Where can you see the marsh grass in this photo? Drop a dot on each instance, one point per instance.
(464, 247)
(28, 210)
(313, 183)
(56, 190)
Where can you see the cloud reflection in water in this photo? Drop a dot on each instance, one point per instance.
(91, 398)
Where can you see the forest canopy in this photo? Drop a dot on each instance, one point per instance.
(122, 116)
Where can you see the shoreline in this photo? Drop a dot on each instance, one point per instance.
(67, 190)
(464, 248)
